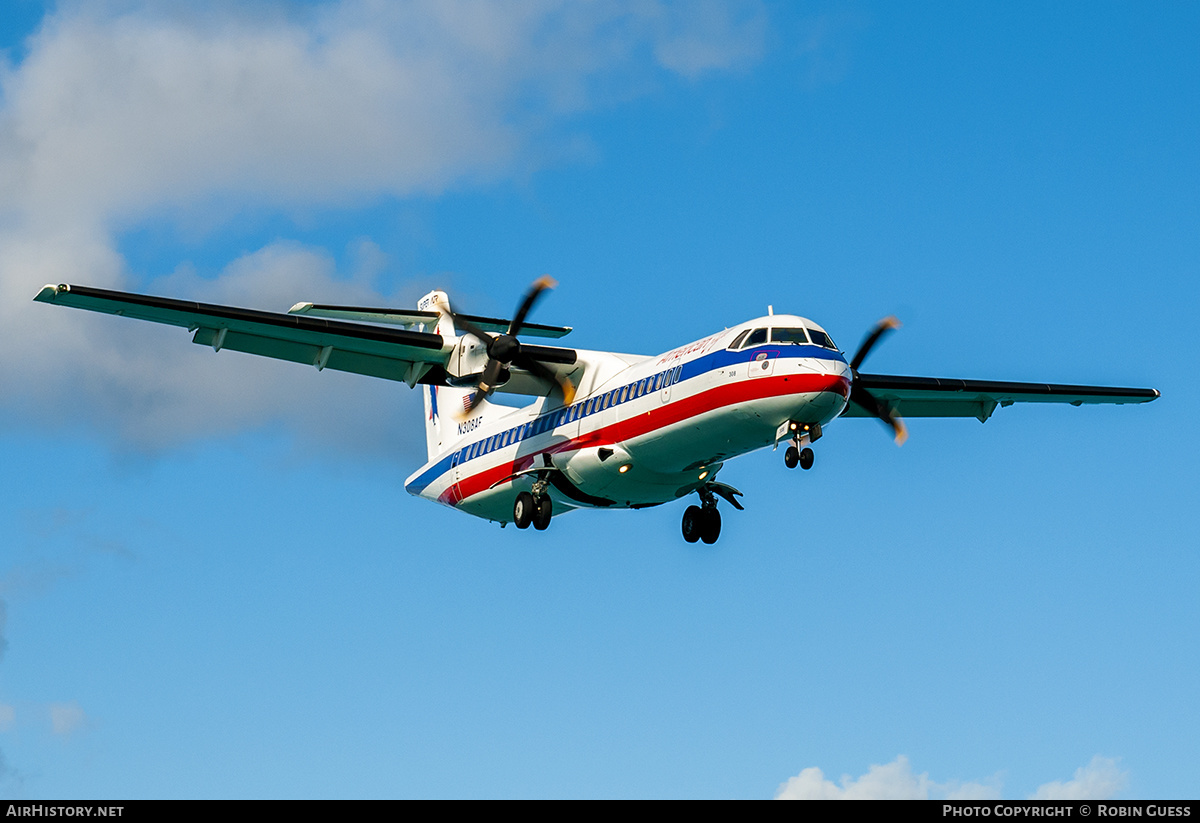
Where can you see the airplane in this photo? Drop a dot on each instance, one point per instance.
(602, 429)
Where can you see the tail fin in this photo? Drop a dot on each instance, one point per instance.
(444, 405)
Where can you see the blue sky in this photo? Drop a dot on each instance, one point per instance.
(214, 584)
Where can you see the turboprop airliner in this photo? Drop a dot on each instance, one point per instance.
(601, 429)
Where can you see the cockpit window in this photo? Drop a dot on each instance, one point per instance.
(796, 336)
(737, 341)
(756, 337)
(822, 339)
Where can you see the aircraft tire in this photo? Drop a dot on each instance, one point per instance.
(806, 459)
(710, 526)
(523, 510)
(791, 457)
(693, 521)
(542, 513)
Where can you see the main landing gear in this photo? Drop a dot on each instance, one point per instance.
(799, 452)
(703, 522)
(534, 507)
(529, 509)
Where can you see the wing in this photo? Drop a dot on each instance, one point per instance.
(393, 354)
(949, 397)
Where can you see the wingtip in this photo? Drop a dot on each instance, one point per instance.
(50, 291)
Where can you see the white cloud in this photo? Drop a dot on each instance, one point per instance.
(124, 112)
(66, 718)
(1099, 780)
(891, 781)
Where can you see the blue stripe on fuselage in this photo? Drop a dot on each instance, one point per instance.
(784, 351)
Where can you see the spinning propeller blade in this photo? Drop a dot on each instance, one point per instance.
(504, 350)
(864, 398)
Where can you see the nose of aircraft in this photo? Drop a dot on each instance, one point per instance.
(845, 375)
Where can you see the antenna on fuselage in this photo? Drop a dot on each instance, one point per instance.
(771, 311)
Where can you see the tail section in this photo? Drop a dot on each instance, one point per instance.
(445, 407)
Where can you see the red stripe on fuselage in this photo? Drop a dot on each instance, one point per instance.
(741, 391)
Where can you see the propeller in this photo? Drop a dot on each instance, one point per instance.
(864, 398)
(504, 350)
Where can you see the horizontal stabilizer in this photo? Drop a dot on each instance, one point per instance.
(413, 317)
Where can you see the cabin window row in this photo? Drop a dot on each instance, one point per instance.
(576, 411)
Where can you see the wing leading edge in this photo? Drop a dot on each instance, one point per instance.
(951, 397)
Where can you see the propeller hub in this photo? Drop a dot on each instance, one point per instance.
(504, 348)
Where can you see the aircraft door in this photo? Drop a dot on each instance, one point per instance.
(455, 496)
(763, 364)
(669, 378)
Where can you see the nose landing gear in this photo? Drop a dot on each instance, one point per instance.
(799, 452)
(804, 457)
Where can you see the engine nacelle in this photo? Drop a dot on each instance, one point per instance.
(466, 362)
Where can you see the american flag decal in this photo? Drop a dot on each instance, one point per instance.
(467, 398)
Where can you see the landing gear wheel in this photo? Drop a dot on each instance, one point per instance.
(791, 457)
(710, 525)
(693, 522)
(806, 459)
(523, 510)
(541, 515)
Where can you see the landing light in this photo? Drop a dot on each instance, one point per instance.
(625, 468)
(703, 474)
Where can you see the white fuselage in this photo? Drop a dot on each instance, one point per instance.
(645, 433)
